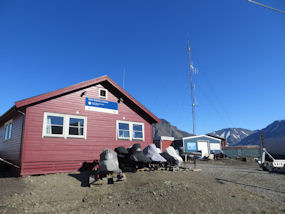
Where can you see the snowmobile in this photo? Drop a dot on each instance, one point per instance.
(157, 160)
(172, 157)
(133, 158)
(109, 166)
(124, 160)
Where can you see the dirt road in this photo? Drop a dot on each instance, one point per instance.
(220, 187)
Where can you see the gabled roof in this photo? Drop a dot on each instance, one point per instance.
(197, 136)
(104, 81)
(214, 136)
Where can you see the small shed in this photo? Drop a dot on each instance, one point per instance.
(61, 130)
(223, 140)
(204, 143)
(163, 142)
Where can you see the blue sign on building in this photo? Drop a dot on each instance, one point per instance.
(105, 106)
(191, 146)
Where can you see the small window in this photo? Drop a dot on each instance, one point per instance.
(62, 125)
(76, 126)
(8, 130)
(102, 93)
(54, 125)
(130, 130)
(124, 131)
(137, 131)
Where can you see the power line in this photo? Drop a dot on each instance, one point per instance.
(266, 6)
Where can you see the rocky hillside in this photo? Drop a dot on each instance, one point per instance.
(166, 129)
(274, 135)
(233, 135)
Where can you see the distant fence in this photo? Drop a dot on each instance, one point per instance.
(242, 151)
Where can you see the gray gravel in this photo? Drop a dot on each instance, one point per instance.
(220, 187)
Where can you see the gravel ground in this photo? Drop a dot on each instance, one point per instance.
(220, 187)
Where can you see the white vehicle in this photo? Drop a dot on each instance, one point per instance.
(273, 164)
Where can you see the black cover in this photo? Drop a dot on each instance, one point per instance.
(121, 150)
(136, 154)
(169, 158)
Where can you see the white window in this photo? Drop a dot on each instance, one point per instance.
(137, 131)
(8, 130)
(63, 125)
(103, 93)
(130, 130)
(123, 130)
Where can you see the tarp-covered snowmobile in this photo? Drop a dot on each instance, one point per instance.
(108, 169)
(124, 159)
(108, 162)
(171, 156)
(133, 158)
(151, 152)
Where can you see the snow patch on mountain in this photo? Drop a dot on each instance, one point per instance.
(244, 132)
(228, 134)
(222, 135)
(233, 135)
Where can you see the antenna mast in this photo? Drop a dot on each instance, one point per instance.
(191, 69)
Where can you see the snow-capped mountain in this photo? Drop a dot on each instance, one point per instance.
(232, 135)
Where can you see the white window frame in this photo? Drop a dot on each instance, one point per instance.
(131, 138)
(65, 133)
(103, 89)
(117, 131)
(8, 124)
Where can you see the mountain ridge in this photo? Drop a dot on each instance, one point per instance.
(232, 135)
(166, 129)
(274, 135)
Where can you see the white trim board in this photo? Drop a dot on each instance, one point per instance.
(197, 136)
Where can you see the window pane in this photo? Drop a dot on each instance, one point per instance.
(102, 93)
(54, 129)
(124, 134)
(76, 122)
(10, 131)
(75, 131)
(124, 126)
(137, 127)
(6, 132)
(138, 135)
(55, 120)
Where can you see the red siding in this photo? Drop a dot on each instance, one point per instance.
(165, 144)
(10, 149)
(45, 155)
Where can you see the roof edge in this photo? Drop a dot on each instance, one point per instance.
(78, 86)
(51, 94)
(203, 135)
(7, 113)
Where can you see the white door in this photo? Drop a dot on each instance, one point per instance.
(203, 147)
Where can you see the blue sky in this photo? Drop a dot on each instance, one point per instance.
(238, 47)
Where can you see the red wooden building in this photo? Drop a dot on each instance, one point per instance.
(60, 130)
(163, 142)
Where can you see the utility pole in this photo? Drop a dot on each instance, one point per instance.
(191, 69)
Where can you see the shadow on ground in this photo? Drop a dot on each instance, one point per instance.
(85, 171)
(222, 181)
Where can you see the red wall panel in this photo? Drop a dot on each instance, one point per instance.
(50, 154)
(165, 144)
(10, 149)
